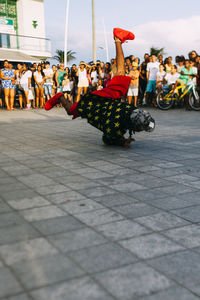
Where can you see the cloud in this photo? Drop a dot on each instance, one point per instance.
(177, 36)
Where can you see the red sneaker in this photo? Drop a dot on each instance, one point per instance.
(53, 101)
(123, 35)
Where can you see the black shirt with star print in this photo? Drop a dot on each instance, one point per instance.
(110, 116)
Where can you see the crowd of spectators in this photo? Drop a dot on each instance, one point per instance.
(29, 86)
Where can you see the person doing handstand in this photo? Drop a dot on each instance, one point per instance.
(104, 110)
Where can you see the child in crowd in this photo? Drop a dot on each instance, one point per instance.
(160, 77)
(66, 88)
(99, 85)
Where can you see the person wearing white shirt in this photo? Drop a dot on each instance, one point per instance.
(25, 82)
(160, 77)
(172, 77)
(152, 70)
(48, 83)
(39, 78)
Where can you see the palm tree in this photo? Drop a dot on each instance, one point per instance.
(60, 55)
(157, 51)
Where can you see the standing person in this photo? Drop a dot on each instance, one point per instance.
(19, 91)
(180, 63)
(8, 79)
(160, 59)
(143, 77)
(113, 67)
(168, 64)
(32, 93)
(128, 62)
(74, 78)
(103, 109)
(134, 84)
(160, 77)
(83, 82)
(94, 76)
(66, 88)
(59, 77)
(54, 87)
(152, 70)
(48, 81)
(39, 78)
(25, 82)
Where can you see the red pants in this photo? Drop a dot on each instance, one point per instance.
(116, 88)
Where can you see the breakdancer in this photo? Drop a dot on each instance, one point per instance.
(104, 110)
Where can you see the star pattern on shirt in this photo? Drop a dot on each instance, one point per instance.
(89, 115)
(116, 124)
(90, 103)
(119, 132)
(107, 121)
(117, 116)
(110, 107)
(108, 130)
(96, 118)
(118, 109)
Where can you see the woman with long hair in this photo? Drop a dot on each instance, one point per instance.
(39, 78)
(83, 81)
(25, 83)
(8, 80)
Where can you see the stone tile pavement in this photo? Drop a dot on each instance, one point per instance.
(84, 221)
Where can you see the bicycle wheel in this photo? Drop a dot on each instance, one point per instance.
(194, 100)
(164, 101)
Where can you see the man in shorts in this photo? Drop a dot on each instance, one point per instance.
(152, 70)
(134, 85)
(104, 110)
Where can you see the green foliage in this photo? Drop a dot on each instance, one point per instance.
(157, 51)
(60, 55)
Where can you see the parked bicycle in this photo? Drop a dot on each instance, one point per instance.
(166, 98)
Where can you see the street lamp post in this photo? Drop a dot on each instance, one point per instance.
(93, 33)
(66, 33)
(106, 42)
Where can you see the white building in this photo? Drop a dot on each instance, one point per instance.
(22, 31)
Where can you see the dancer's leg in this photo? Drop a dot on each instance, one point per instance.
(119, 57)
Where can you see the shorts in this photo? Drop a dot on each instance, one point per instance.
(37, 87)
(67, 92)
(18, 90)
(132, 91)
(48, 89)
(7, 84)
(151, 86)
(25, 87)
(83, 83)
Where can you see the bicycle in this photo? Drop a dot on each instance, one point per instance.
(166, 99)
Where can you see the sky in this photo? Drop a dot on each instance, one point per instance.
(172, 24)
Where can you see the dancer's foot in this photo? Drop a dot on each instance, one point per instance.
(53, 101)
(123, 35)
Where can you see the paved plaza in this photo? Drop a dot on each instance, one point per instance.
(83, 221)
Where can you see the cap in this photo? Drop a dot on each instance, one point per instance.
(134, 64)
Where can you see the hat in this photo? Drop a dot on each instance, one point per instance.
(82, 63)
(134, 64)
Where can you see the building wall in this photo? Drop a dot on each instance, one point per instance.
(29, 11)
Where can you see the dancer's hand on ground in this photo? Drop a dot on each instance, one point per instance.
(128, 142)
